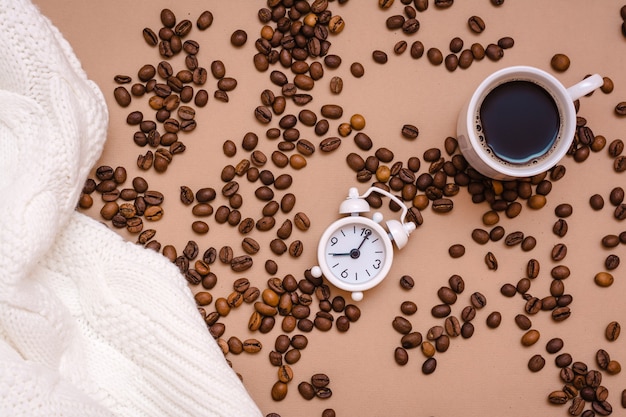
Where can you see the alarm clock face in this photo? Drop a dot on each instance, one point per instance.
(355, 253)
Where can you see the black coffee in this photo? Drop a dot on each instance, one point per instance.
(520, 121)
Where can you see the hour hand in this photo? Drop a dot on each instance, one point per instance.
(340, 254)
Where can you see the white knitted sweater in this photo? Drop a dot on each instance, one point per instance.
(90, 325)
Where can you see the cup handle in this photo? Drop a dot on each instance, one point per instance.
(585, 87)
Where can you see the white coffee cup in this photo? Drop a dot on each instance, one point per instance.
(473, 133)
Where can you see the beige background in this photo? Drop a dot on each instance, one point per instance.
(485, 375)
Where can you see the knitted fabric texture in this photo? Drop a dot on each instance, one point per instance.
(90, 325)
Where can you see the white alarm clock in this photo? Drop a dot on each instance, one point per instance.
(355, 253)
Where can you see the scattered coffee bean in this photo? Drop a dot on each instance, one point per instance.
(612, 331)
(560, 62)
(536, 363)
(494, 319)
(476, 24)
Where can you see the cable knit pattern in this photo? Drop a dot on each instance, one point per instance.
(90, 325)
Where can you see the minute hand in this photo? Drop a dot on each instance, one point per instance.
(367, 235)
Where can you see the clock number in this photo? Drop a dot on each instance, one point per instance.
(333, 241)
(365, 231)
(376, 264)
(344, 273)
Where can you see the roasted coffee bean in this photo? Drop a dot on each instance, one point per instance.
(513, 238)
(447, 295)
(561, 313)
(616, 147)
(467, 330)
(380, 57)
(295, 248)
(434, 56)
(596, 202)
(441, 310)
(241, 263)
(530, 337)
(494, 319)
(429, 366)
(560, 62)
(612, 331)
(491, 261)
(407, 282)
(476, 24)
(523, 322)
(478, 300)
(480, 236)
(457, 284)
(536, 363)
(563, 210)
(560, 272)
(331, 111)
(401, 356)
(306, 390)
(122, 96)
(408, 308)
(603, 279)
(560, 227)
(554, 345)
(611, 262)
(417, 50)
(508, 290)
(409, 131)
(558, 397)
(452, 326)
(150, 37)
(456, 250)
(533, 305)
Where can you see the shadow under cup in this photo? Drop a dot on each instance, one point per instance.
(519, 122)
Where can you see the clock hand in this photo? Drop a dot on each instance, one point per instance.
(367, 235)
(339, 254)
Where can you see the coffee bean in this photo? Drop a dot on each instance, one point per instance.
(456, 283)
(478, 300)
(612, 331)
(476, 24)
(408, 308)
(536, 363)
(122, 96)
(523, 322)
(456, 250)
(447, 295)
(441, 310)
(401, 356)
(410, 131)
(558, 397)
(560, 62)
(616, 147)
(429, 366)
(379, 57)
(530, 337)
(611, 262)
(494, 52)
(491, 261)
(494, 319)
(480, 236)
(616, 197)
(331, 111)
(306, 390)
(508, 290)
(434, 56)
(407, 282)
(603, 279)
